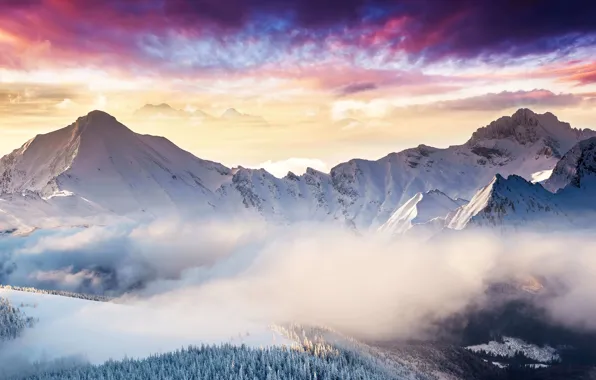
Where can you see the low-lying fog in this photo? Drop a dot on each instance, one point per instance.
(369, 286)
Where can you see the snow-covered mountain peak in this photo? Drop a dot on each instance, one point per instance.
(97, 160)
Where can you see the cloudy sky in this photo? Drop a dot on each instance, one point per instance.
(334, 79)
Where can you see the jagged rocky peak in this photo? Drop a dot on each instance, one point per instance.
(520, 126)
(291, 176)
(313, 172)
(524, 126)
(526, 117)
(576, 168)
(544, 133)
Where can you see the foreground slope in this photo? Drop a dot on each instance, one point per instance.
(118, 330)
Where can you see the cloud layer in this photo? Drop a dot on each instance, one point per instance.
(366, 286)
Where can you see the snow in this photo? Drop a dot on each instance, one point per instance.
(541, 176)
(511, 202)
(515, 202)
(510, 346)
(576, 168)
(103, 330)
(421, 209)
(118, 171)
(536, 366)
(97, 169)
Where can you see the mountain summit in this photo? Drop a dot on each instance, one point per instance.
(527, 128)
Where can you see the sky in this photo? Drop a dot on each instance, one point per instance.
(324, 80)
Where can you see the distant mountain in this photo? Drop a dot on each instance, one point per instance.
(97, 166)
(349, 123)
(162, 109)
(165, 110)
(232, 115)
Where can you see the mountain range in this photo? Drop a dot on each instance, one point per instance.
(97, 170)
(230, 115)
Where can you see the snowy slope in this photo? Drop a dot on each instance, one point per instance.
(515, 202)
(511, 346)
(574, 180)
(21, 213)
(541, 176)
(102, 330)
(423, 208)
(577, 169)
(511, 202)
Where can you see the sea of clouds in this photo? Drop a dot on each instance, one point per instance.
(367, 285)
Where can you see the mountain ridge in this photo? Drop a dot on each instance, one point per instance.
(101, 160)
(564, 201)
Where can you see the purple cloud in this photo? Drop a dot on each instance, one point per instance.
(355, 88)
(185, 35)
